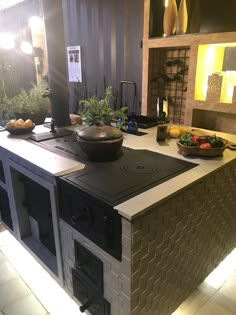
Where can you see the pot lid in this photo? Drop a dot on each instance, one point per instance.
(99, 132)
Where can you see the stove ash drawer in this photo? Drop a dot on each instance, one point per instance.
(91, 217)
(90, 299)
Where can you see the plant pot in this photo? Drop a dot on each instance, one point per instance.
(37, 118)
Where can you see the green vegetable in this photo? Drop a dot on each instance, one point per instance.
(215, 142)
(186, 139)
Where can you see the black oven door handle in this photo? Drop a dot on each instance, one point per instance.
(86, 305)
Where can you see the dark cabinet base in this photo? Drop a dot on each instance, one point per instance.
(5, 209)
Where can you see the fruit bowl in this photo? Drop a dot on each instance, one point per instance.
(20, 131)
(206, 152)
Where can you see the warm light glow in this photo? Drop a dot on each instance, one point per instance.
(27, 48)
(166, 3)
(7, 41)
(51, 295)
(35, 23)
(210, 61)
(8, 3)
(222, 272)
(228, 86)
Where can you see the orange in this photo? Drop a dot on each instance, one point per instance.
(11, 123)
(20, 123)
(28, 123)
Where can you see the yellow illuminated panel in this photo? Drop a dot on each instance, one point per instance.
(209, 62)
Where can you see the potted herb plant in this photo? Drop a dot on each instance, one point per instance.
(5, 110)
(31, 104)
(95, 110)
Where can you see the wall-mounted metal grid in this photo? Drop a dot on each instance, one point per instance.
(168, 75)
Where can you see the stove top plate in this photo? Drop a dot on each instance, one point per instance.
(134, 172)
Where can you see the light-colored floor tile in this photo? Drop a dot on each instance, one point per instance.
(7, 273)
(212, 308)
(195, 301)
(27, 305)
(2, 258)
(11, 291)
(229, 304)
(229, 288)
(3, 238)
(218, 277)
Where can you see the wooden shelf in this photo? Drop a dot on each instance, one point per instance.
(214, 106)
(191, 39)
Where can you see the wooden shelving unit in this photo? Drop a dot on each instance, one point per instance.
(192, 42)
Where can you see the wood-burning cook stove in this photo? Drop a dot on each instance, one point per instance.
(87, 200)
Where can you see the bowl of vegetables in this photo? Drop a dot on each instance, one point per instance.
(207, 146)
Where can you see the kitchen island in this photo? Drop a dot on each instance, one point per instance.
(172, 235)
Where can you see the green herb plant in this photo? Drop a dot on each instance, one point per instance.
(5, 108)
(99, 110)
(31, 101)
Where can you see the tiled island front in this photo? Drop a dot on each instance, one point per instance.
(172, 235)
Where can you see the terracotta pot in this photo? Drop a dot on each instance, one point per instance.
(100, 142)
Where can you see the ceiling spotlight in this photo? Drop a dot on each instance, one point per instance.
(35, 22)
(7, 41)
(26, 47)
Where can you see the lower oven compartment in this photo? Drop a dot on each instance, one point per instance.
(91, 300)
(91, 217)
(89, 266)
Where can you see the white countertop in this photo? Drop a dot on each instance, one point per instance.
(57, 165)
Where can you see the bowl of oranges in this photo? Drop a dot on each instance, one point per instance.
(19, 126)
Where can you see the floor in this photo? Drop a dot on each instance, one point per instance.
(20, 296)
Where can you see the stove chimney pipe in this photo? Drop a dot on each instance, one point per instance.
(57, 72)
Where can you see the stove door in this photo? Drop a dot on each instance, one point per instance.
(91, 217)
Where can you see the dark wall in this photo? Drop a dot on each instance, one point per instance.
(109, 33)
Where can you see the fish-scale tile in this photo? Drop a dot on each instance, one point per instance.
(28, 305)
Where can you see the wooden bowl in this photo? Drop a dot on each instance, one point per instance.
(208, 152)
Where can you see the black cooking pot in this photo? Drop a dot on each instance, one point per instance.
(100, 142)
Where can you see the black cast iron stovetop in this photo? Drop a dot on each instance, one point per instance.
(134, 172)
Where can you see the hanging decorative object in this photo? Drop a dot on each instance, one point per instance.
(169, 20)
(182, 18)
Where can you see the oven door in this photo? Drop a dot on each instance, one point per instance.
(91, 217)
